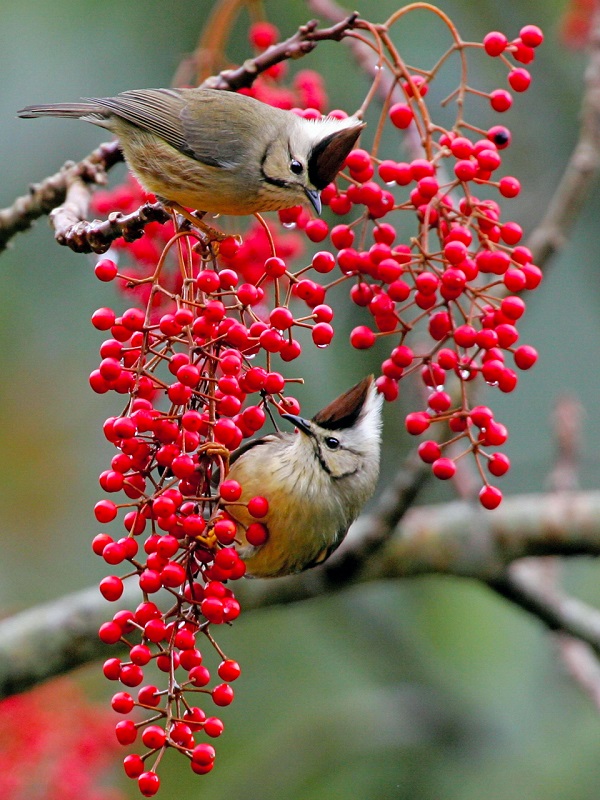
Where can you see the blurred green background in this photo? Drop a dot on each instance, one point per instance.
(424, 689)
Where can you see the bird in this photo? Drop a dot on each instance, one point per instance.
(218, 151)
(315, 480)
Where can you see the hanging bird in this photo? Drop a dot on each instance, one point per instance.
(316, 482)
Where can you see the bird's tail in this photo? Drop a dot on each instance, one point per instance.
(72, 110)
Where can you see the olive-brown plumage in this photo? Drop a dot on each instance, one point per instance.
(218, 151)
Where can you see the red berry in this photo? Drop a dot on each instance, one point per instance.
(126, 731)
(490, 497)
(256, 534)
(519, 79)
(531, 35)
(322, 334)
(417, 422)
(443, 468)
(495, 43)
(103, 319)
(499, 464)
(525, 356)
(316, 230)
(111, 588)
(230, 490)
(500, 100)
(203, 753)
(154, 736)
(229, 670)
(275, 267)
(105, 511)
(263, 34)
(429, 451)
(323, 261)
(222, 694)
(148, 784)
(105, 270)
(213, 727)
(122, 702)
(133, 766)
(401, 115)
(362, 338)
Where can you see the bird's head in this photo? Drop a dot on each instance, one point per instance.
(345, 435)
(300, 165)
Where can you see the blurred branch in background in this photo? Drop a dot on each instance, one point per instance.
(456, 539)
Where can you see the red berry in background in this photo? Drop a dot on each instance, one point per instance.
(263, 34)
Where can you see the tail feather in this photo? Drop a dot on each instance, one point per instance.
(72, 110)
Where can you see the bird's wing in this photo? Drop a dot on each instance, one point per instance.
(227, 129)
(167, 113)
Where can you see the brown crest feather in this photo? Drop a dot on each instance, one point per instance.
(345, 409)
(329, 154)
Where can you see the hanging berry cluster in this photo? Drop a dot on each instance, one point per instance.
(196, 358)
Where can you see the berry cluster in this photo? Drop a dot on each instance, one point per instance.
(461, 272)
(196, 354)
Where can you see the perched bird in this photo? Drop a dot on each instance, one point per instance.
(217, 151)
(316, 482)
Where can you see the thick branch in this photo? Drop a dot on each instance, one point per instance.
(73, 230)
(52, 191)
(453, 539)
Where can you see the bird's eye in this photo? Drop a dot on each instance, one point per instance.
(296, 167)
(332, 443)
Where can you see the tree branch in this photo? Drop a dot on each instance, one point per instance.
(557, 611)
(453, 539)
(52, 191)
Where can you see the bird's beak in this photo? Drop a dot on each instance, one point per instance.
(301, 423)
(314, 195)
